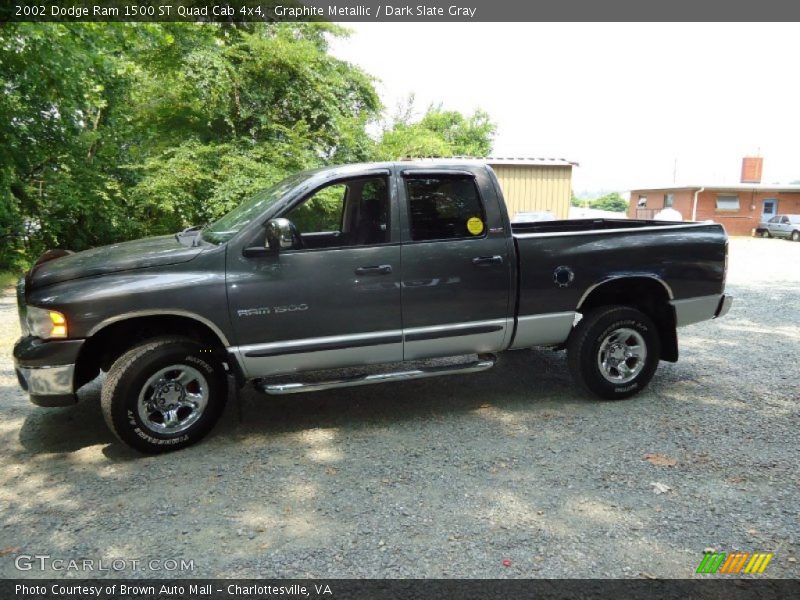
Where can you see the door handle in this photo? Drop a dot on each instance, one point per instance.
(485, 261)
(377, 270)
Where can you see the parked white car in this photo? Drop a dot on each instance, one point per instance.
(781, 226)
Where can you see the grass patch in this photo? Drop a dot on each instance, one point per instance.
(8, 278)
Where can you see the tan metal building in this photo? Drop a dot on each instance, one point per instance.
(535, 184)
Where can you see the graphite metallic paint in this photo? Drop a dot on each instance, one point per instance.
(339, 300)
(195, 288)
(689, 260)
(125, 256)
(442, 285)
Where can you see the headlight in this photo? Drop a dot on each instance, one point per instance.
(46, 324)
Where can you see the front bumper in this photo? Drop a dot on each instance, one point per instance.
(46, 369)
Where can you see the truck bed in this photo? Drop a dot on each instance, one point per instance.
(576, 225)
(688, 258)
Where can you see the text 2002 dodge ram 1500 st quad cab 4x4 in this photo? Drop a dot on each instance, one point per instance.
(382, 267)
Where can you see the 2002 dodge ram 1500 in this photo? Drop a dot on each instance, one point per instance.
(386, 267)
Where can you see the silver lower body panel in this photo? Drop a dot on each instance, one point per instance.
(550, 329)
(701, 308)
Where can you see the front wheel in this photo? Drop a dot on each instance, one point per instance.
(796, 236)
(614, 351)
(164, 394)
(766, 234)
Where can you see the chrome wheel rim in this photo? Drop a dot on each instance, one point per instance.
(622, 355)
(173, 399)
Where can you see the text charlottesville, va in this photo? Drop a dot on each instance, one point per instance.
(367, 11)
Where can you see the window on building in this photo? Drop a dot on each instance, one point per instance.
(642, 202)
(444, 207)
(668, 199)
(727, 202)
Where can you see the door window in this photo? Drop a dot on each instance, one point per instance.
(354, 212)
(769, 208)
(444, 207)
(322, 212)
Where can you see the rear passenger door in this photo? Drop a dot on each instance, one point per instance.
(456, 271)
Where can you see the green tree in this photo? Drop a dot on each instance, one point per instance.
(613, 202)
(63, 87)
(579, 202)
(438, 133)
(243, 112)
(116, 130)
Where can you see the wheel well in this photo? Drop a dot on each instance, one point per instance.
(645, 294)
(101, 349)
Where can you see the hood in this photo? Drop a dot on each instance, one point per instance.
(137, 254)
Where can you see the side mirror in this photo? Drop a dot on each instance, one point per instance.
(282, 235)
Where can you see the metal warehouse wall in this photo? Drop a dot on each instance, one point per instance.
(533, 188)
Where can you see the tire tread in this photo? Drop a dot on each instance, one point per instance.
(121, 366)
(580, 337)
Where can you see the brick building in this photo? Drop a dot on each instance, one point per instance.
(739, 207)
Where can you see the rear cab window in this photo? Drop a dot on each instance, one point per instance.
(444, 207)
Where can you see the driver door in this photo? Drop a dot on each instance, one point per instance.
(332, 301)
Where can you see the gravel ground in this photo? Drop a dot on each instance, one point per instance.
(444, 477)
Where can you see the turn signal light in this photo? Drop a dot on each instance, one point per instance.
(59, 324)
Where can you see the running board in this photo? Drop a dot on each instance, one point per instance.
(484, 363)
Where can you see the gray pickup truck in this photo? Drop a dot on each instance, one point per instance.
(384, 269)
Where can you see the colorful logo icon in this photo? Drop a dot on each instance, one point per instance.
(735, 562)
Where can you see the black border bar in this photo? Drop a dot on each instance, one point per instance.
(418, 589)
(235, 11)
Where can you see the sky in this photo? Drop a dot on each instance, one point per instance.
(635, 104)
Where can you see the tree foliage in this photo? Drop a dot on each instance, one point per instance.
(612, 202)
(114, 131)
(438, 133)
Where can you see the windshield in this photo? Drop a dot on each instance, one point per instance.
(226, 227)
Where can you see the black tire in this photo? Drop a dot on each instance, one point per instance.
(766, 234)
(796, 236)
(586, 340)
(129, 377)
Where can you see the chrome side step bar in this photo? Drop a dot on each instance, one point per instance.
(483, 363)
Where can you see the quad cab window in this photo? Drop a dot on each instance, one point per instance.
(444, 207)
(353, 212)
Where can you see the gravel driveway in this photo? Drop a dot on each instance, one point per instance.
(443, 477)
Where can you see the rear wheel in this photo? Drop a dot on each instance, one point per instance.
(614, 351)
(164, 394)
(796, 236)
